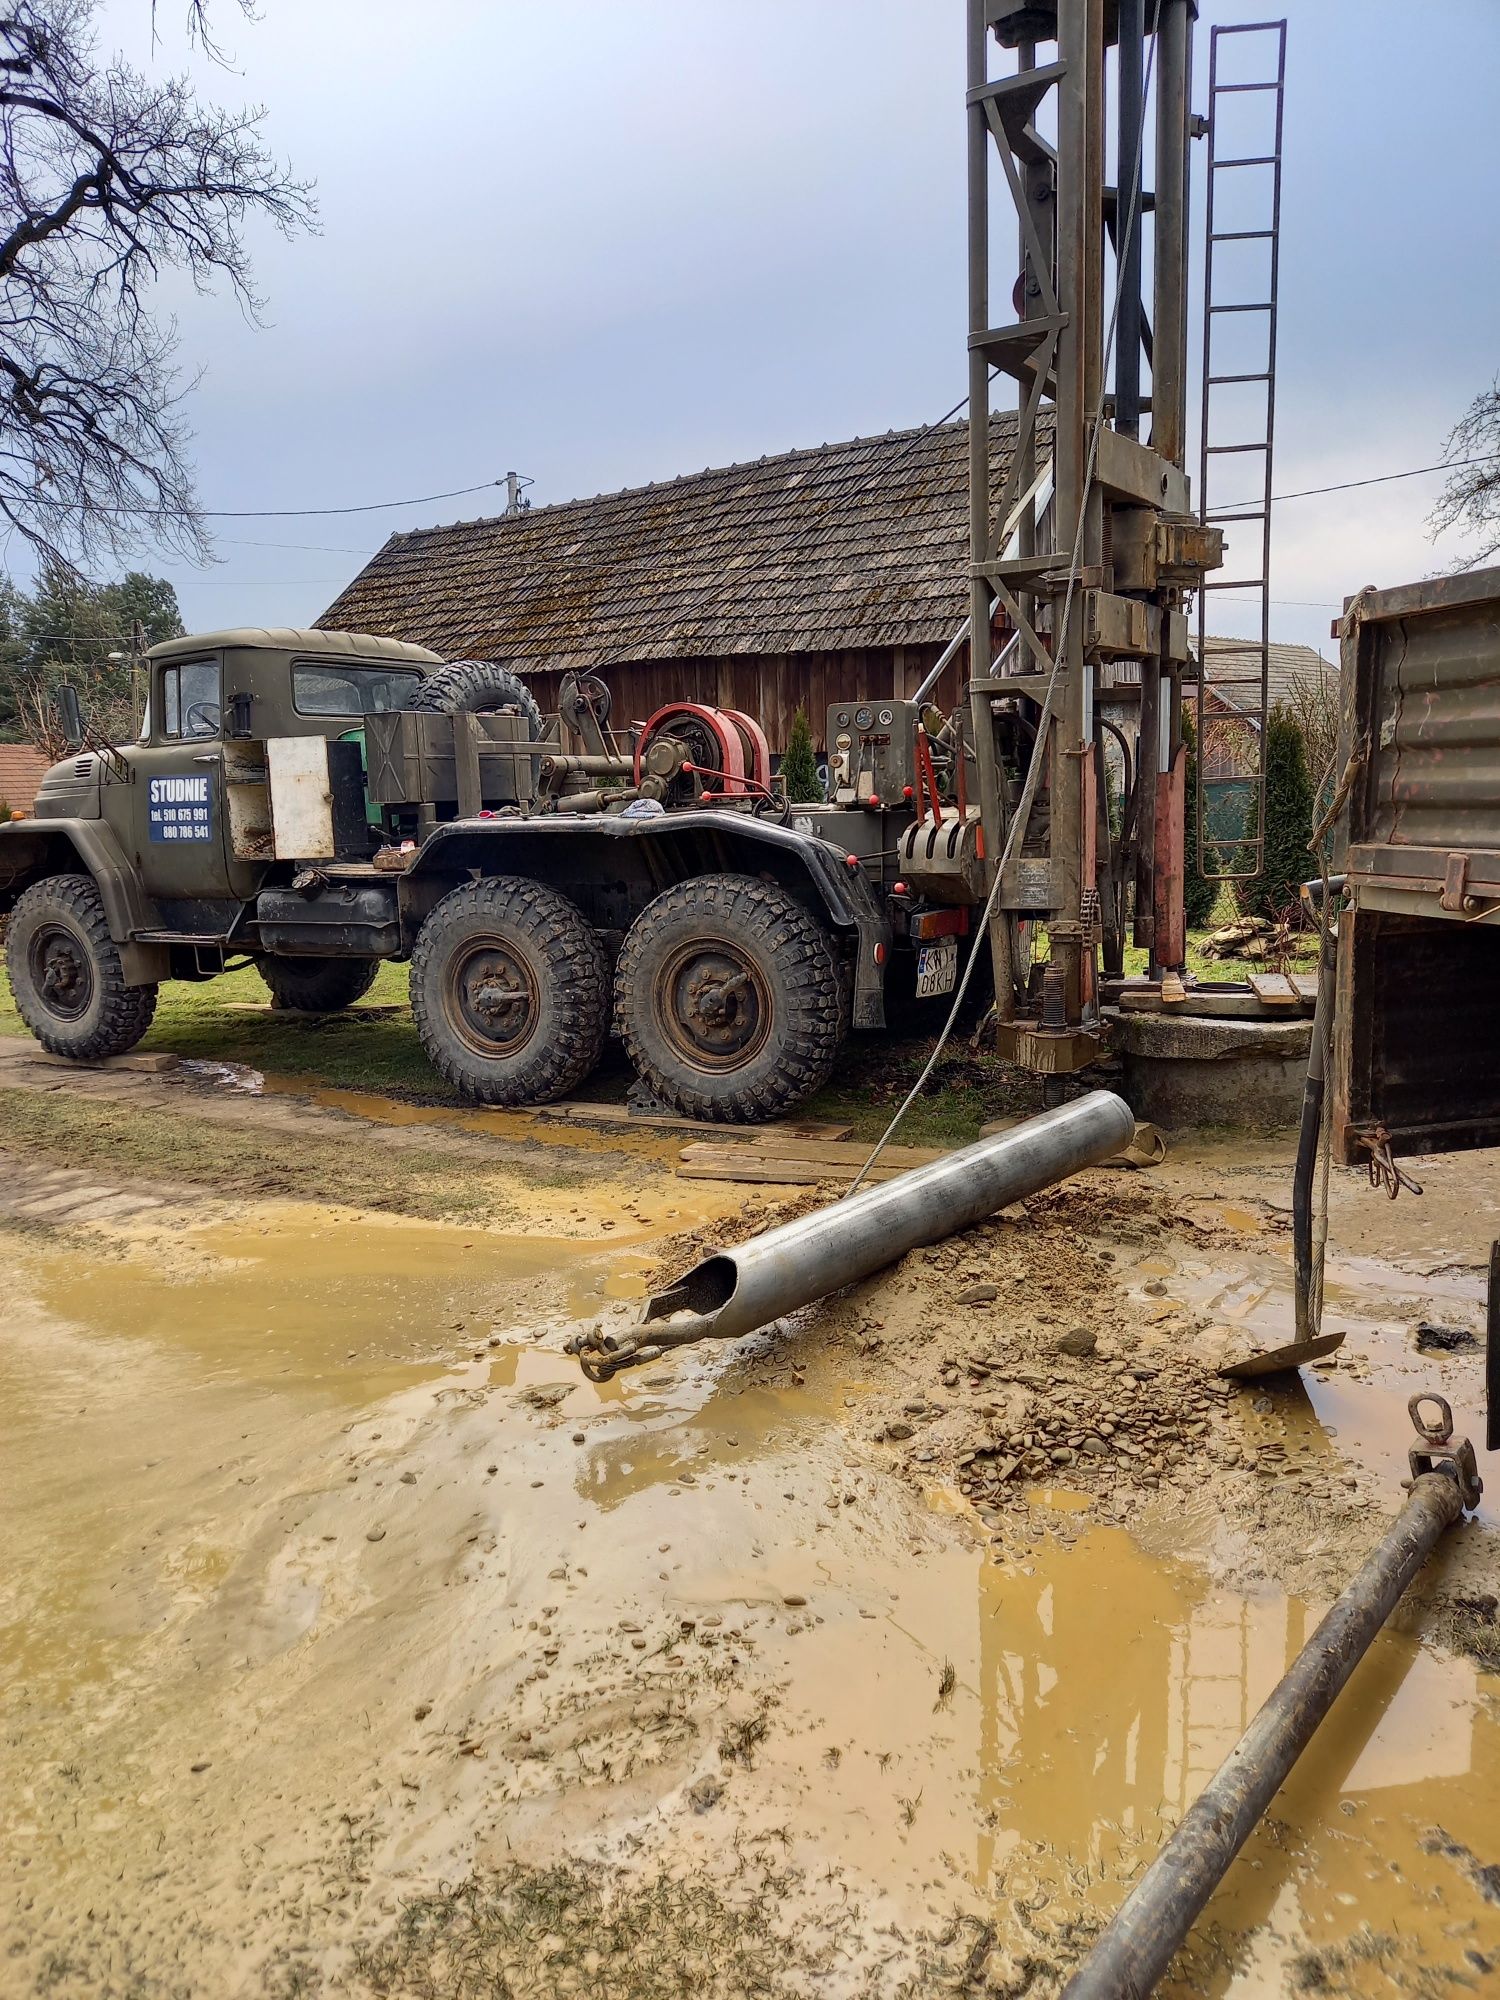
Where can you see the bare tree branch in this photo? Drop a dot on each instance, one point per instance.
(1470, 502)
(108, 179)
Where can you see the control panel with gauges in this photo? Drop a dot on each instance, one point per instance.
(872, 752)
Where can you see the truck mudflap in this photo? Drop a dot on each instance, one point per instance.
(651, 854)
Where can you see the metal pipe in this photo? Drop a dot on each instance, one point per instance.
(934, 672)
(735, 1291)
(1308, 1310)
(592, 801)
(987, 763)
(1137, 1946)
(1170, 248)
(1128, 175)
(585, 767)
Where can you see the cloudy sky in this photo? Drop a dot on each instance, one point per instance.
(606, 244)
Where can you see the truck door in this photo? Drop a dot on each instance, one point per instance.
(177, 802)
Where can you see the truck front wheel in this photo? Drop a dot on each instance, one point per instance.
(728, 999)
(316, 985)
(510, 991)
(66, 976)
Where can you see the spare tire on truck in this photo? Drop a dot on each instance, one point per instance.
(476, 687)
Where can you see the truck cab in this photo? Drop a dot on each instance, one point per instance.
(184, 803)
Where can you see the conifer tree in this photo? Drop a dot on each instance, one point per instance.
(799, 764)
(1289, 819)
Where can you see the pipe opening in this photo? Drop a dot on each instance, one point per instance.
(704, 1289)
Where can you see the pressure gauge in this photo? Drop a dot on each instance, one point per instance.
(887, 717)
(863, 717)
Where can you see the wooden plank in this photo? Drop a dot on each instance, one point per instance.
(748, 1163)
(1274, 988)
(785, 1145)
(373, 1010)
(1305, 986)
(466, 764)
(569, 1112)
(1210, 1006)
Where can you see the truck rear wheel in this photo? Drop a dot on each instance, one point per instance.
(316, 985)
(510, 991)
(728, 999)
(66, 975)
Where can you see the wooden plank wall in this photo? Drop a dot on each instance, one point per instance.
(770, 687)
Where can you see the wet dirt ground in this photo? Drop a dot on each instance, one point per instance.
(352, 1643)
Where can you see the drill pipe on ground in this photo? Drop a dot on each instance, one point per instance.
(1137, 1946)
(735, 1291)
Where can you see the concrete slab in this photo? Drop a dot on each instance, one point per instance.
(69, 1198)
(1182, 1070)
(113, 1207)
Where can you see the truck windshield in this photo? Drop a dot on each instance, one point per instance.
(326, 689)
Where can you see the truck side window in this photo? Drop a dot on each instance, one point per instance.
(327, 689)
(190, 699)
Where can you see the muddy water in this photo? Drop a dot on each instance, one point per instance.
(645, 1142)
(329, 1579)
(1354, 1404)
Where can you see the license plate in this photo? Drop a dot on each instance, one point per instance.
(937, 968)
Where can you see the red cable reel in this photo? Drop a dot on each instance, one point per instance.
(687, 750)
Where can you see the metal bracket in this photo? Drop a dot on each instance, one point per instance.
(1382, 1167)
(1436, 1451)
(1455, 896)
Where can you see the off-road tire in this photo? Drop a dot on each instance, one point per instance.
(58, 920)
(505, 927)
(790, 1034)
(316, 985)
(476, 687)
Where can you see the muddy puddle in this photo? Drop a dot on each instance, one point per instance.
(1410, 1323)
(330, 1580)
(531, 1126)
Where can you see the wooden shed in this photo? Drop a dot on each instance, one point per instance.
(833, 574)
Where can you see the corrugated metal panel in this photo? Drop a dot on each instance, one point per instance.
(1437, 729)
(1419, 955)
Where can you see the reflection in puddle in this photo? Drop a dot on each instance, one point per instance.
(266, 1523)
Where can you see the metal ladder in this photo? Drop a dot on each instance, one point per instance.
(1233, 702)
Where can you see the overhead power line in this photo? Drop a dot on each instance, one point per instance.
(1378, 479)
(273, 513)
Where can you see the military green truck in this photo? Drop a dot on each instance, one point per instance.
(315, 802)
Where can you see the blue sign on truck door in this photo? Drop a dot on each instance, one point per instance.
(179, 808)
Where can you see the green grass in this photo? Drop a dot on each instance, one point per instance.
(351, 1051)
(228, 1020)
(1304, 959)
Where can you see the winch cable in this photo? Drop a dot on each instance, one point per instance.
(1022, 815)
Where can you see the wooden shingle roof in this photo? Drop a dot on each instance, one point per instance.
(22, 769)
(861, 544)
